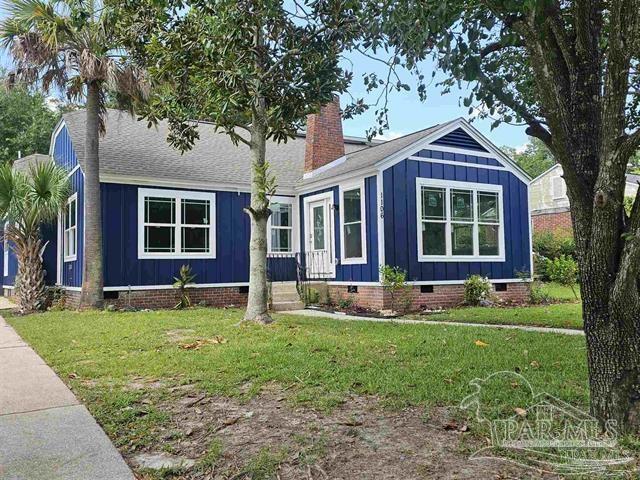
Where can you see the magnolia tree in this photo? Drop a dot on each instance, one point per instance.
(568, 70)
(254, 69)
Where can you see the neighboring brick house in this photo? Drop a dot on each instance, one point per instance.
(442, 203)
(550, 204)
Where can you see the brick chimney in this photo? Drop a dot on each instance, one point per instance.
(325, 142)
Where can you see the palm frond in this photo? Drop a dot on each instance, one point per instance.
(49, 190)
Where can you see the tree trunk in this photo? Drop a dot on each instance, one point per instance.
(30, 278)
(257, 304)
(610, 313)
(92, 276)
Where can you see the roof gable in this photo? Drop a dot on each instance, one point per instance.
(460, 139)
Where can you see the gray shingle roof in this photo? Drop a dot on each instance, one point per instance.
(370, 156)
(23, 164)
(131, 148)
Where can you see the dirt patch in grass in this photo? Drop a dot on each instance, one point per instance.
(267, 437)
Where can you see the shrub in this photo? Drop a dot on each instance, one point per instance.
(394, 280)
(476, 289)
(184, 278)
(553, 244)
(537, 293)
(563, 270)
(549, 246)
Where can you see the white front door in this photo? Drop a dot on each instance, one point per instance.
(320, 251)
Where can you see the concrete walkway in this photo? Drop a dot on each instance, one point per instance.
(45, 433)
(338, 316)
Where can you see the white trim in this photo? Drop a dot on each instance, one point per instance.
(458, 164)
(345, 187)
(169, 287)
(295, 230)
(5, 253)
(70, 258)
(328, 198)
(431, 282)
(350, 176)
(59, 251)
(178, 196)
(152, 182)
(73, 170)
(460, 282)
(447, 185)
(462, 151)
(380, 218)
(425, 143)
(530, 233)
(56, 131)
(325, 167)
(8, 287)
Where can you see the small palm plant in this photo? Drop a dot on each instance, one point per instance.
(184, 278)
(27, 201)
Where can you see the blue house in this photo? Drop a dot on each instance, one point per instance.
(442, 203)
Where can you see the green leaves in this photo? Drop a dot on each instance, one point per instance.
(215, 60)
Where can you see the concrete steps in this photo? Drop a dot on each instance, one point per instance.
(284, 297)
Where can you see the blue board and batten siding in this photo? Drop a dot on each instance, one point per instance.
(123, 268)
(65, 156)
(366, 272)
(401, 224)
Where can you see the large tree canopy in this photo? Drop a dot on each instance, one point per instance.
(567, 69)
(255, 69)
(534, 159)
(26, 123)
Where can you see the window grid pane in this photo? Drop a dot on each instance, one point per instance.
(433, 206)
(352, 206)
(471, 219)
(281, 214)
(462, 205)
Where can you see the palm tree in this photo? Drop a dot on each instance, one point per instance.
(26, 203)
(73, 47)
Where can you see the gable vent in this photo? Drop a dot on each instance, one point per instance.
(461, 139)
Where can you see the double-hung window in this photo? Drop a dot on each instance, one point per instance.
(352, 220)
(176, 224)
(459, 221)
(70, 237)
(281, 227)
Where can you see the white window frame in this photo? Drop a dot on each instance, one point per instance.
(449, 185)
(5, 252)
(177, 196)
(346, 187)
(291, 201)
(71, 256)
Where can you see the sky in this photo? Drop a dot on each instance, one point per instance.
(406, 112)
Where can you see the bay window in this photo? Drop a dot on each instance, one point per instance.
(352, 220)
(459, 221)
(175, 224)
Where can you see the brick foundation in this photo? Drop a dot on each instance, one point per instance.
(442, 296)
(167, 298)
(551, 222)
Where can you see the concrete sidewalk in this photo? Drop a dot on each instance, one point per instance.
(45, 433)
(526, 328)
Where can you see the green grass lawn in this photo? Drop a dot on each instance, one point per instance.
(560, 293)
(559, 315)
(317, 362)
